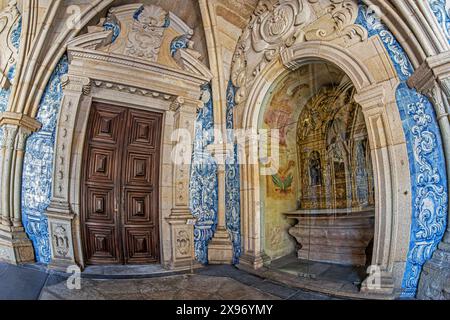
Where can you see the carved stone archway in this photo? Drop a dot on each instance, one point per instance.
(346, 45)
(121, 75)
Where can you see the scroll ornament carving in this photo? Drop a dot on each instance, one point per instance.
(343, 14)
(183, 243)
(145, 38)
(278, 25)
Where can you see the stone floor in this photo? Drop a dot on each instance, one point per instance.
(320, 271)
(212, 282)
(333, 279)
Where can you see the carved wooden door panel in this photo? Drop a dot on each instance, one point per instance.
(140, 187)
(120, 186)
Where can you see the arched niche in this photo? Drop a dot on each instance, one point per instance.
(319, 205)
(387, 144)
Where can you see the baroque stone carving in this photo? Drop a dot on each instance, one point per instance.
(60, 241)
(133, 90)
(145, 38)
(280, 24)
(183, 243)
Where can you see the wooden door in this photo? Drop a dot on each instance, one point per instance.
(120, 221)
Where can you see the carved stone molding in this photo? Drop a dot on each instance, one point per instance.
(76, 84)
(188, 60)
(19, 120)
(372, 97)
(133, 90)
(182, 239)
(339, 24)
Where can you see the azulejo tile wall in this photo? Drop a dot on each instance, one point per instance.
(203, 183)
(441, 10)
(38, 165)
(426, 158)
(232, 182)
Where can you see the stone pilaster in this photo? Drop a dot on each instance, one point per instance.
(432, 78)
(15, 247)
(181, 220)
(253, 256)
(372, 101)
(220, 248)
(59, 212)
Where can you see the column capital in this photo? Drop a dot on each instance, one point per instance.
(182, 104)
(76, 84)
(433, 69)
(20, 120)
(371, 97)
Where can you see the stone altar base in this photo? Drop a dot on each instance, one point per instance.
(333, 235)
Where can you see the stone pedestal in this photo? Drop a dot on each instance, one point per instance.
(334, 236)
(182, 238)
(60, 220)
(220, 249)
(15, 247)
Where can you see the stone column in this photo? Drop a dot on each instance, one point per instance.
(432, 78)
(372, 101)
(181, 219)
(59, 212)
(220, 248)
(252, 250)
(15, 247)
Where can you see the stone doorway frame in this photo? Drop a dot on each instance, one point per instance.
(388, 150)
(97, 76)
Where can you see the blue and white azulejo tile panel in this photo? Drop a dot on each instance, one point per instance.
(38, 165)
(426, 157)
(203, 183)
